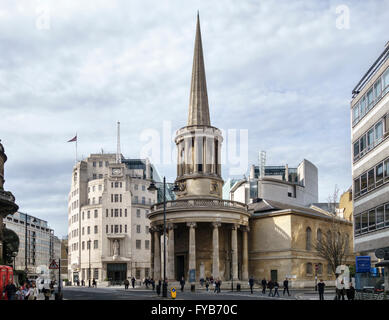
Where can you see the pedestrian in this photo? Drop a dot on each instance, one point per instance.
(182, 283)
(219, 284)
(286, 287)
(251, 283)
(20, 294)
(10, 291)
(126, 284)
(350, 292)
(202, 282)
(159, 287)
(94, 283)
(26, 288)
(270, 286)
(153, 283)
(47, 293)
(215, 286)
(207, 284)
(264, 284)
(341, 290)
(275, 289)
(320, 287)
(133, 282)
(33, 292)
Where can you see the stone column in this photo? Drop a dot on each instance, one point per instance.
(171, 255)
(151, 230)
(192, 245)
(157, 256)
(215, 246)
(234, 249)
(245, 254)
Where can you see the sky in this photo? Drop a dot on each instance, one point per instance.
(282, 70)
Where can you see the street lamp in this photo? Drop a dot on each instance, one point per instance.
(153, 187)
(89, 273)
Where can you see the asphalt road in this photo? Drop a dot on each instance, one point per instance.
(118, 293)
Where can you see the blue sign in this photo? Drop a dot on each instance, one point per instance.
(362, 264)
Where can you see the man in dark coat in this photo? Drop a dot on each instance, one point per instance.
(10, 290)
(126, 284)
(264, 284)
(251, 283)
(286, 286)
(350, 292)
(182, 283)
(320, 288)
(133, 282)
(270, 285)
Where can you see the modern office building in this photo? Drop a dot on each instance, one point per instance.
(108, 233)
(39, 247)
(370, 157)
(7, 200)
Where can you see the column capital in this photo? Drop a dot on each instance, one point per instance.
(191, 224)
(235, 226)
(245, 228)
(216, 224)
(171, 226)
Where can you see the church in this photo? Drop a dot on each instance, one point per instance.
(208, 236)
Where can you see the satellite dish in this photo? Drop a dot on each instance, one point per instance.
(380, 253)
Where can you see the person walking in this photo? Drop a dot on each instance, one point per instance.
(126, 284)
(286, 287)
(270, 286)
(94, 283)
(219, 285)
(350, 292)
(275, 289)
(182, 283)
(207, 284)
(46, 293)
(20, 294)
(10, 291)
(341, 290)
(251, 283)
(152, 283)
(264, 284)
(33, 292)
(320, 287)
(133, 282)
(159, 287)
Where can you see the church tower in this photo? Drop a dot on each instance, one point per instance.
(198, 143)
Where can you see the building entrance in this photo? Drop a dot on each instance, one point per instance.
(180, 267)
(116, 272)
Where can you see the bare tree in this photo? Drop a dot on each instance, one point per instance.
(333, 246)
(333, 200)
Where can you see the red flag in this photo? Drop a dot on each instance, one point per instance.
(74, 139)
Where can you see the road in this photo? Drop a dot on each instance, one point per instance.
(118, 293)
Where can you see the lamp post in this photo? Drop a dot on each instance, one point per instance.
(89, 272)
(153, 187)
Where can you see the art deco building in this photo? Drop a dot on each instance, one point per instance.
(108, 233)
(370, 157)
(7, 200)
(207, 236)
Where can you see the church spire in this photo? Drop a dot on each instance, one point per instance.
(198, 102)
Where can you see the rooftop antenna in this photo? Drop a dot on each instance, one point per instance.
(262, 161)
(118, 157)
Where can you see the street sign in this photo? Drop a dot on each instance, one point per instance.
(53, 265)
(362, 264)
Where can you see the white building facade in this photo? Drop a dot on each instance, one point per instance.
(108, 234)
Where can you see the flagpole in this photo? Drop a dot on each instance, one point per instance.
(76, 146)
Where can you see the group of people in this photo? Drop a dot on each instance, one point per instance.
(27, 291)
(94, 283)
(271, 285)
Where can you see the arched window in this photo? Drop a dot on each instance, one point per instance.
(308, 238)
(329, 236)
(319, 237)
(309, 268)
(320, 268)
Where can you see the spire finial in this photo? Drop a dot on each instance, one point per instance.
(198, 102)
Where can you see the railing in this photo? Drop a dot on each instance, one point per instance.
(196, 203)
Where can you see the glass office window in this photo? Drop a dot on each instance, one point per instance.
(356, 150)
(385, 79)
(379, 131)
(379, 171)
(370, 180)
(363, 183)
(380, 217)
(372, 220)
(362, 107)
(377, 89)
(357, 187)
(356, 113)
(364, 219)
(362, 144)
(370, 139)
(387, 215)
(370, 98)
(357, 224)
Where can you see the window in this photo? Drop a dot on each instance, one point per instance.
(106, 163)
(386, 170)
(370, 180)
(143, 200)
(135, 186)
(83, 245)
(357, 187)
(116, 198)
(100, 200)
(309, 268)
(100, 176)
(88, 245)
(96, 272)
(320, 268)
(319, 237)
(370, 139)
(116, 212)
(364, 218)
(111, 213)
(116, 184)
(111, 228)
(88, 230)
(100, 187)
(387, 215)
(120, 228)
(83, 215)
(357, 224)
(356, 113)
(370, 99)
(308, 239)
(96, 213)
(96, 229)
(377, 89)
(147, 244)
(138, 244)
(116, 228)
(138, 213)
(94, 176)
(379, 174)
(125, 212)
(94, 163)
(88, 214)
(120, 197)
(147, 272)
(106, 213)
(380, 217)
(106, 228)
(147, 229)
(95, 244)
(143, 188)
(379, 131)
(363, 183)
(371, 220)
(136, 199)
(100, 164)
(138, 228)
(125, 228)
(362, 145)
(137, 273)
(120, 210)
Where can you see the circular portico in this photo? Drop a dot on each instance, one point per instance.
(208, 236)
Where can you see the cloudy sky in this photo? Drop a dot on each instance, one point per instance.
(283, 70)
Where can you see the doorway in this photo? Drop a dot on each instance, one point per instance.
(273, 275)
(180, 267)
(116, 272)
